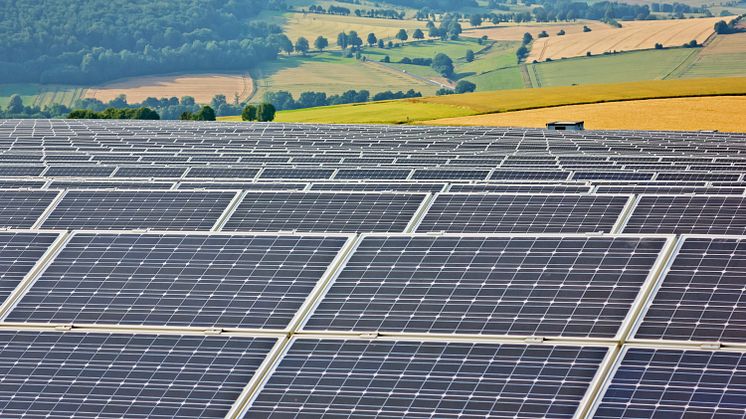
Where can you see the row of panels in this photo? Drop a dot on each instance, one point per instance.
(371, 212)
(77, 374)
(314, 173)
(547, 286)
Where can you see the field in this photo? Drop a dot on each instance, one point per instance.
(331, 73)
(633, 35)
(310, 25)
(41, 95)
(514, 32)
(412, 110)
(612, 68)
(201, 86)
(724, 56)
(704, 113)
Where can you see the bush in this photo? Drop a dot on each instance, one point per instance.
(658, 46)
(465, 87)
(114, 113)
(265, 112)
(543, 34)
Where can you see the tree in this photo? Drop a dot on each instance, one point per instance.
(320, 43)
(342, 40)
(418, 34)
(586, 29)
(218, 101)
(443, 65)
(722, 28)
(205, 114)
(372, 40)
(561, 32)
(402, 35)
(692, 44)
(284, 44)
(522, 52)
(658, 45)
(475, 20)
(464, 86)
(381, 44)
(301, 45)
(354, 39)
(15, 106)
(469, 56)
(248, 113)
(265, 112)
(543, 34)
(527, 38)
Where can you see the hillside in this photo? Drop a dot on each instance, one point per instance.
(426, 109)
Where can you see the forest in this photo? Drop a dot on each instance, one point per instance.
(92, 41)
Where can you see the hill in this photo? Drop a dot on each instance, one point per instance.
(431, 108)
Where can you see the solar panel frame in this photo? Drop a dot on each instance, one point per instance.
(634, 225)
(430, 353)
(26, 217)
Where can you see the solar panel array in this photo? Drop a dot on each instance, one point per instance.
(277, 270)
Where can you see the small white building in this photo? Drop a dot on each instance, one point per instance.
(566, 125)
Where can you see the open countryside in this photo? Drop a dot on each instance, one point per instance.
(634, 35)
(202, 87)
(514, 32)
(681, 114)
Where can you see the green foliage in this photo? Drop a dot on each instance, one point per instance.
(372, 39)
(265, 112)
(114, 113)
(15, 105)
(527, 38)
(465, 86)
(469, 57)
(443, 65)
(206, 113)
(301, 45)
(402, 35)
(321, 43)
(92, 41)
(418, 34)
(249, 113)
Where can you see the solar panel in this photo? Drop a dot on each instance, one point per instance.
(48, 374)
(19, 252)
(523, 175)
(723, 177)
(493, 213)
(91, 184)
(21, 184)
(612, 175)
(446, 174)
(21, 208)
(178, 280)
(700, 214)
(379, 187)
(157, 209)
(545, 286)
(669, 190)
(304, 174)
(701, 296)
(149, 172)
(324, 212)
(9, 171)
(517, 188)
(221, 172)
(668, 383)
(79, 171)
(358, 378)
(392, 174)
(247, 186)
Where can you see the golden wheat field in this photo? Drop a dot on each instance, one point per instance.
(201, 86)
(633, 35)
(724, 113)
(311, 25)
(512, 32)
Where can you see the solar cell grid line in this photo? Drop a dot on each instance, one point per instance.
(523, 213)
(700, 297)
(246, 186)
(97, 209)
(180, 280)
(108, 375)
(489, 285)
(688, 214)
(669, 190)
(722, 177)
(342, 212)
(519, 188)
(650, 383)
(612, 175)
(526, 175)
(421, 379)
(21, 208)
(79, 171)
(108, 184)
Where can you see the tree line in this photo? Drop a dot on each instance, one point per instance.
(92, 41)
(283, 100)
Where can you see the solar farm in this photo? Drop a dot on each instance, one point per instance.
(187, 269)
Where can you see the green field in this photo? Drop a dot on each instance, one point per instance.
(332, 73)
(40, 95)
(614, 68)
(426, 109)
